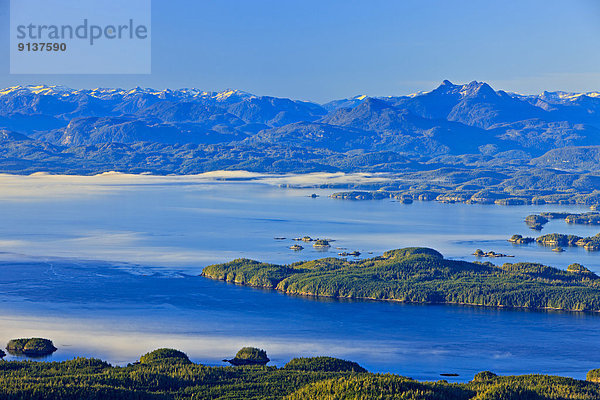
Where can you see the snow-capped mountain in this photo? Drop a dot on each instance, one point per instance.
(451, 118)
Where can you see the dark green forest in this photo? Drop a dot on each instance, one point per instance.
(421, 275)
(168, 374)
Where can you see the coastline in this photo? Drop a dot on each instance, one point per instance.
(369, 299)
(169, 373)
(421, 275)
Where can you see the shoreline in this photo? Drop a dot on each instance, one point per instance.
(169, 373)
(421, 275)
(372, 299)
(354, 186)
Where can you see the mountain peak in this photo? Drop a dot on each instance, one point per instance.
(446, 87)
(372, 103)
(471, 89)
(477, 89)
(231, 94)
(37, 89)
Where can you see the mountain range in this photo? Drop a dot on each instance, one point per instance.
(59, 129)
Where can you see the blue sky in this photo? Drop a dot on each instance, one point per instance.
(325, 49)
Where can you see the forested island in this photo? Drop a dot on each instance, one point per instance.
(31, 347)
(556, 240)
(422, 275)
(249, 356)
(537, 222)
(169, 374)
(519, 239)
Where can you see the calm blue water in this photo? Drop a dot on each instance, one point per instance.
(110, 271)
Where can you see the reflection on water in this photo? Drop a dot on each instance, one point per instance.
(191, 225)
(95, 309)
(111, 273)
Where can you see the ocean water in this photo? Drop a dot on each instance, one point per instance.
(108, 267)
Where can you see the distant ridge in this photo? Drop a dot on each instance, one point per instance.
(243, 130)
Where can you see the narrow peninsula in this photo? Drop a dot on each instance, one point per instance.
(422, 275)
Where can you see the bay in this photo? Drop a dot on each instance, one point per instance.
(107, 267)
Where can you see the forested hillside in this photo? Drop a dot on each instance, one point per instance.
(421, 275)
